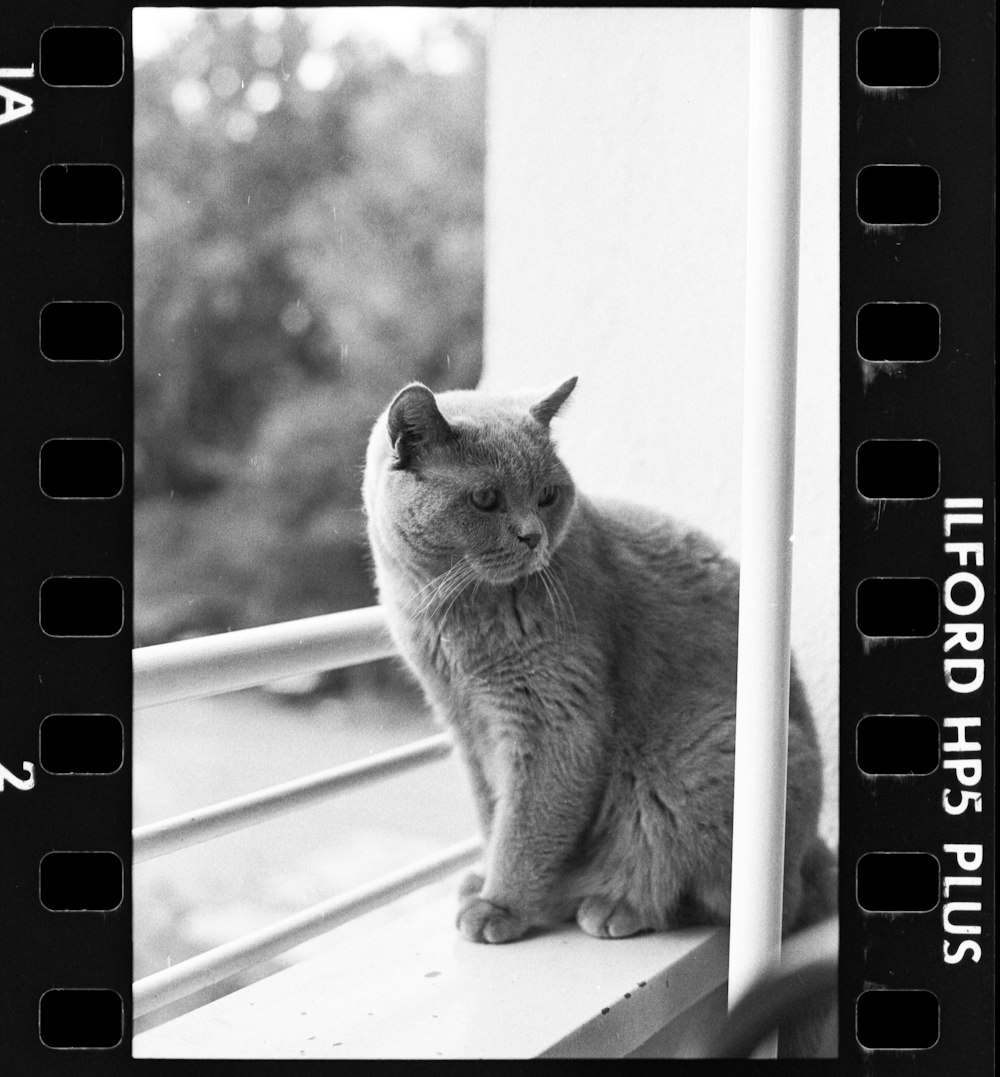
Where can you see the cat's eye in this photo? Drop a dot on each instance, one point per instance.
(486, 498)
(548, 496)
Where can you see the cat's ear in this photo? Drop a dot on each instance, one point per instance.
(545, 410)
(415, 425)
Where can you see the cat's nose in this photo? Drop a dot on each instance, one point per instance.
(530, 538)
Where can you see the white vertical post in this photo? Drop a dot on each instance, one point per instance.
(767, 497)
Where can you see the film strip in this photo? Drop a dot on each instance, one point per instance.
(916, 813)
(917, 557)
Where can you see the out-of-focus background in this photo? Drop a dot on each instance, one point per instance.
(308, 238)
(310, 199)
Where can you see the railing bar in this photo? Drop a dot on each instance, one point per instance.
(190, 828)
(210, 665)
(762, 676)
(208, 968)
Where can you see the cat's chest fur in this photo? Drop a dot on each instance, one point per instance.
(489, 642)
(491, 663)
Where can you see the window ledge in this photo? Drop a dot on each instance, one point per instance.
(411, 987)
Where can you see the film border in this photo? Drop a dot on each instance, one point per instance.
(948, 263)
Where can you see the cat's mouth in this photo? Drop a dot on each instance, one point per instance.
(502, 568)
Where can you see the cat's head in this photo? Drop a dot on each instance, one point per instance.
(463, 476)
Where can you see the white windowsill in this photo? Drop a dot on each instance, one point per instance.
(410, 987)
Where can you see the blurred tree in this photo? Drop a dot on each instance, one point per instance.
(300, 253)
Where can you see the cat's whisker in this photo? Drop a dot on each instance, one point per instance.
(468, 577)
(456, 580)
(554, 600)
(455, 586)
(440, 597)
(550, 594)
(430, 584)
(561, 557)
(438, 589)
(418, 610)
(567, 601)
(562, 597)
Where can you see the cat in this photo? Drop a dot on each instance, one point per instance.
(583, 652)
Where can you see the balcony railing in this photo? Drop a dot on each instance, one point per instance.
(694, 963)
(190, 669)
(211, 665)
(179, 832)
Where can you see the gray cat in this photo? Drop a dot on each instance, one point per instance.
(584, 653)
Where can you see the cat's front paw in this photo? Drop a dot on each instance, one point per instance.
(605, 918)
(471, 885)
(480, 920)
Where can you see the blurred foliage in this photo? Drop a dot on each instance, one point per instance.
(300, 254)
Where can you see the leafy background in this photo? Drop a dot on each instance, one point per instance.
(308, 238)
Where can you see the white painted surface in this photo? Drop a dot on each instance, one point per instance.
(616, 247)
(768, 473)
(413, 988)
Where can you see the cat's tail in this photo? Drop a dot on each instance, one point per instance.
(812, 1032)
(819, 885)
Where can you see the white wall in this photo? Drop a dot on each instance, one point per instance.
(615, 195)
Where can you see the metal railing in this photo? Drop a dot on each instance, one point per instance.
(210, 665)
(200, 825)
(172, 672)
(214, 965)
